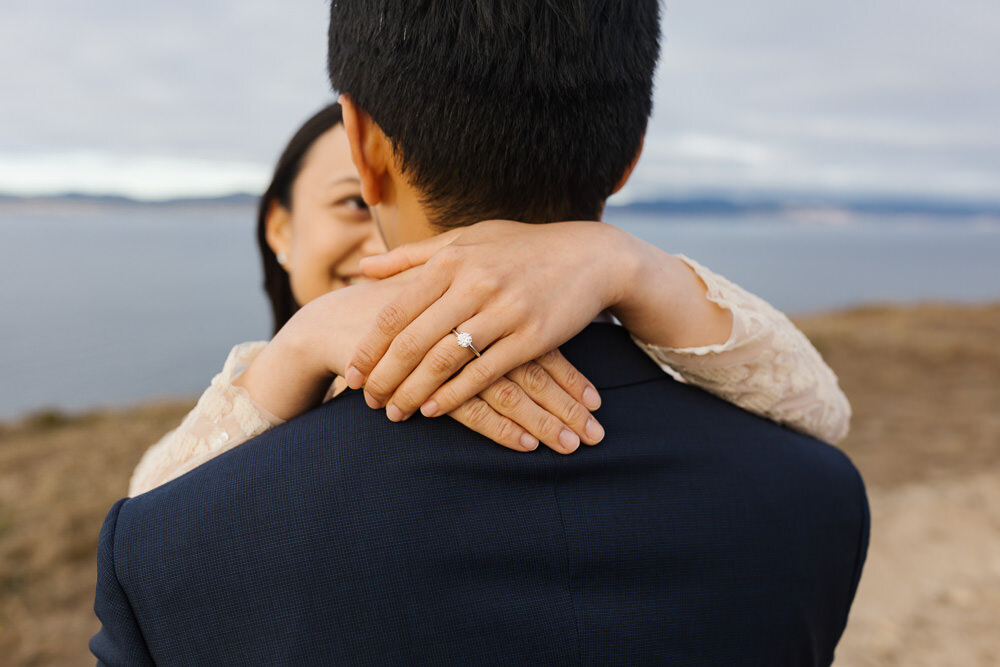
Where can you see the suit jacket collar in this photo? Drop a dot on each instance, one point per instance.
(606, 355)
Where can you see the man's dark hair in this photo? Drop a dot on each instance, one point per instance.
(525, 109)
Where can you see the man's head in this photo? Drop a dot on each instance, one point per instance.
(526, 109)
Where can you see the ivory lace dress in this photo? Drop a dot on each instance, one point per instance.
(767, 367)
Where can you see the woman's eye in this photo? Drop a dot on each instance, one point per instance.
(353, 203)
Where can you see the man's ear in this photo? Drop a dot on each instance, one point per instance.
(628, 172)
(278, 229)
(369, 149)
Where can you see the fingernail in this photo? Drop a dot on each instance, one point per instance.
(372, 403)
(528, 442)
(591, 399)
(355, 379)
(569, 440)
(594, 430)
(429, 409)
(393, 413)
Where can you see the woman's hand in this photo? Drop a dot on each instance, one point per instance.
(519, 290)
(540, 401)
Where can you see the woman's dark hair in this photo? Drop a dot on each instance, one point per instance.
(276, 282)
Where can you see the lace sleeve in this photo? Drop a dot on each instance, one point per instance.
(224, 417)
(767, 366)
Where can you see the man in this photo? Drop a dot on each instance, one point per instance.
(695, 534)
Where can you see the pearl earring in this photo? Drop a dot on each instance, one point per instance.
(282, 258)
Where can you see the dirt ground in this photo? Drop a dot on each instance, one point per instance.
(925, 386)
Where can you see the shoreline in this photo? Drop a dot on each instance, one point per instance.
(811, 322)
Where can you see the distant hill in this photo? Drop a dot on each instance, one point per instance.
(726, 206)
(720, 205)
(235, 199)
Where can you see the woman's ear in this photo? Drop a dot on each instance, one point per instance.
(278, 231)
(628, 172)
(368, 149)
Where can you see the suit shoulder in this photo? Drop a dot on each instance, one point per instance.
(120, 639)
(321, 446)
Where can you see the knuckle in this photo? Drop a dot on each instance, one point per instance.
(405, 400)
(389, 320)
(441, 362)
(447, 256)
(536, 378)
(551, 357)
(446, 397)
(481, 372)
(576, 413)
(487, 282)
(407, 255)
(364, 359)
(549, 426)
(507, 396)
(537, 327)
(517, 308)
(436, 265)
(407, 346)
(572, 377)
(479, 412)
(375, 387)
(506, 431)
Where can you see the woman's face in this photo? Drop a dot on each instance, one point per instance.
(328, 229)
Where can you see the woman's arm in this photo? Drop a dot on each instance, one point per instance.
(264, 383)
(542, 400)
(739, 347)
(224, 417)
(752, 356)
(766, 366)
(694, 323)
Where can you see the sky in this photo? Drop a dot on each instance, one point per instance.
(197, 97)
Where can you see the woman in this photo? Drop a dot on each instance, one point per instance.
(314, 230)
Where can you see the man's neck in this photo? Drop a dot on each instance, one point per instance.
(401, 216)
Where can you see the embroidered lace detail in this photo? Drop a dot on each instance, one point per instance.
(767, 366)
(224, 417)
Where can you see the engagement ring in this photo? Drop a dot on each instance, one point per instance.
(465, 340)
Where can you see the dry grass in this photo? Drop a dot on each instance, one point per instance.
(924, 383)
(60, 476)
(925, 386)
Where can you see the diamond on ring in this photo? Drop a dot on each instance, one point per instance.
(465, 340)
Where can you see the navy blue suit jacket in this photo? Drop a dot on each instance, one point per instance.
(695, 534)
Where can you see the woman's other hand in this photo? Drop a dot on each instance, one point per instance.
(520, 290)
(539, 401)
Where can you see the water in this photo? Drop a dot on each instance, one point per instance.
(122, 304)
(804, 267)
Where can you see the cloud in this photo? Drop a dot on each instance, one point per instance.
(222, 79)
(826, 96)
(137, 177)
(715, 149)
(778, 94)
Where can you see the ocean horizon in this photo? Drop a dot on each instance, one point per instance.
(107, 304)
